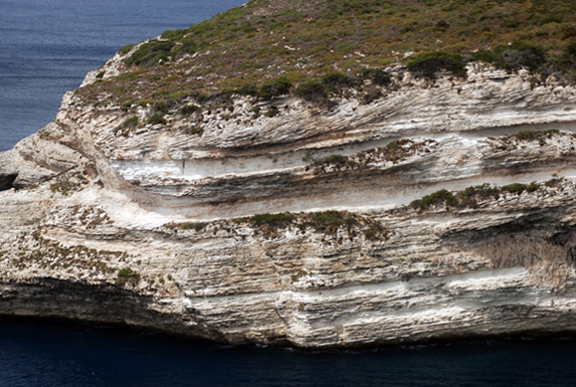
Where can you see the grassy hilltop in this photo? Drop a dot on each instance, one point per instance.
(313, 47)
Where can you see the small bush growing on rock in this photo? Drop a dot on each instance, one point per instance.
(274, 220)
(335, 159)
(248, 89)
(156, 119)
(377, 76)
(516, 188)
(515, 56)
(161, 106)
(312, 91)
(195, 130)
(195, 226)
(439, 197)
(469, 195)
(318, 90)
(375, 231)
(280, 86)
(127, 275)
(429, 64)
(186, 110)
(131, 122)
(555, 181)
(532, 187)
(151, 54)
(330, 221)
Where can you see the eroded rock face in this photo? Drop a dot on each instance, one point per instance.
(154, 227)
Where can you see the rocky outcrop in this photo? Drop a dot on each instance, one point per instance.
(155, 227)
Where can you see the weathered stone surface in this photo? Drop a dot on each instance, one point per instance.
(140, 229)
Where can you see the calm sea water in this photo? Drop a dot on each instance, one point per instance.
(46, 48)
(57, 354)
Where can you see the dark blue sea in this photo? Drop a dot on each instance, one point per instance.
(46, 48)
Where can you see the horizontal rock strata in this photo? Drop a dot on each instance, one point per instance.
(165, 230)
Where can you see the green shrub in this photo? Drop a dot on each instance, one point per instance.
(195, 226)
(150, 54)
(156, 119)
(430, 63)
(551, 19)
(516, 188)
(273, 220)
(280, 86)
(483, 191)
(101, 74)
(195, 130)
(520, 55)
(439, 197)
(131, 122)
(336, 159)
(485, 56)
(186, 110)
(248, 89)
(312, 91)
(532, 187)
(375, 231)
(380, 78)
(161, 106)
(126, 49)
(330, 221)
(338, 80)
(127, 275)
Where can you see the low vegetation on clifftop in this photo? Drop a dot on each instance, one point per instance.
(313, 48)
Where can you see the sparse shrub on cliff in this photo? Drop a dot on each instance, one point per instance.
(336, 160)
(195, 226)
(318, 91)
(515, 56)
(274, 220)
(327, 222)
(101, 74)
(278, 87)
(468, 197)
(439, 197)
(151, 54)
(195, 130)
(377, 76)
(375, 231)
(127, 275)
(187, 110)
(429, 64)
(126, 49)
(313, 91)
(330, 221)
(127, 126)
(156, 119)
(248, 89)
(161, 107)
(518, 188)
(131, 122)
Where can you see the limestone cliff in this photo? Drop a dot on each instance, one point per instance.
(438, 208)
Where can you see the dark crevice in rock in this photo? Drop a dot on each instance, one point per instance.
(7, 181)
